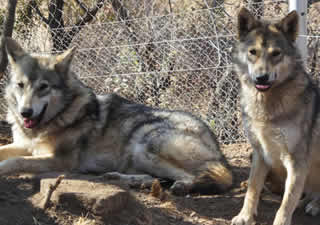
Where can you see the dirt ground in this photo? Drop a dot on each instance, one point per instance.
(18, 193)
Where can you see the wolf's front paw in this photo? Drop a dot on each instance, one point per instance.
(112, 176)
(243, 219)
(282, 218)
(313, 208)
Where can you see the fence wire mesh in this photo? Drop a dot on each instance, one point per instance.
(165, 53)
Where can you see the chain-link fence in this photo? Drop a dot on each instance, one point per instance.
(165, 53)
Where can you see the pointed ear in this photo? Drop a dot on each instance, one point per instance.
(63, 61)
(246, 23)
(290, 26)
(14, 50)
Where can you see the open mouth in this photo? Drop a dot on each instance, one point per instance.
(263, 87)
(33, 122)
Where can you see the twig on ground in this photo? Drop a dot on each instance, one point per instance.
(52, 188)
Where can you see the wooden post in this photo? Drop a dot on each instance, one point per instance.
(301, 6)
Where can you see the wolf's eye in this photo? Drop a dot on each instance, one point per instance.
(43, 87)
(20, 85)
(275, 53)
(253, 52)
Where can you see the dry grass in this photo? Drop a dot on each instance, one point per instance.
(84, 220)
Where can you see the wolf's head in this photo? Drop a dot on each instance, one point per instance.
(266, 54)
(37, 89)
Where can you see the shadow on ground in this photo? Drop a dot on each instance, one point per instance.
(17, 195)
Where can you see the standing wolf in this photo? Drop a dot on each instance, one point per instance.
(280, 108)
(59, 124)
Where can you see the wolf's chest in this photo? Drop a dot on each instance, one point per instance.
(273, 142)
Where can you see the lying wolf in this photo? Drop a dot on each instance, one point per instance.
(280, 108)
(59, 124)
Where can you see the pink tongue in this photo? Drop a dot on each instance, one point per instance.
(260, 86)
(28, 123)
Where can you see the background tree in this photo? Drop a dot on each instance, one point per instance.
(8, 24)
(62, 37)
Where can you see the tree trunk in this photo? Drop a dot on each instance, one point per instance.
(60, 38)
(7, 32)
(145, 55)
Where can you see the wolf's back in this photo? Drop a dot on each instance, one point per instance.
(176, 141)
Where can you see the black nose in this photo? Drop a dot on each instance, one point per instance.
(26, 112)
(262, 78)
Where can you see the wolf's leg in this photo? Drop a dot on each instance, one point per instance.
(12, 150)
(135, 180)
(164, 168)
(297, 173)
(313, 207)
(258, 173)
(34, 164)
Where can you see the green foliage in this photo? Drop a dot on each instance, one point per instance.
(21, 20)
(212, 124)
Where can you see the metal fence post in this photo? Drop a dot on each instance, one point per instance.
(301, 7)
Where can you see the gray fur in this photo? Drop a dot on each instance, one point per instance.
(280, 110)
(88, 133)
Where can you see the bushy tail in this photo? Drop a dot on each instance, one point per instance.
(215, 178)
